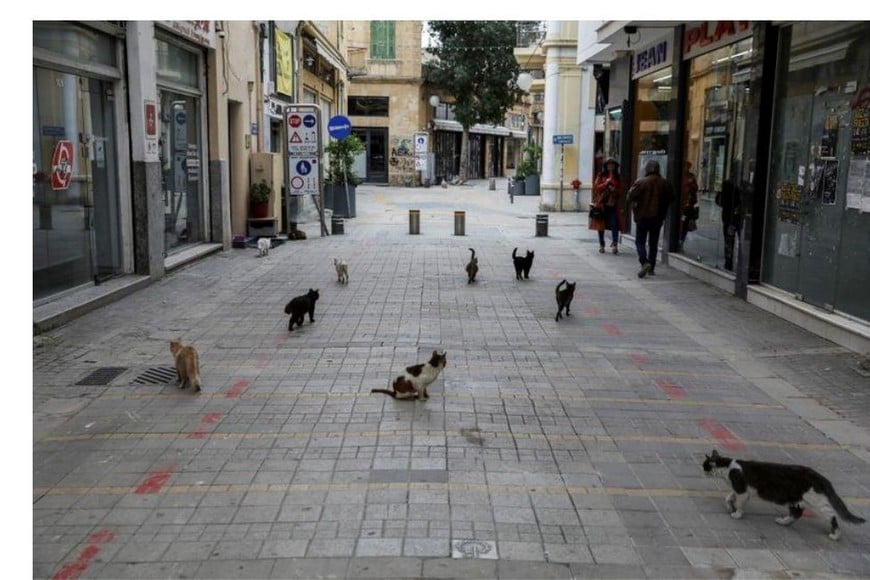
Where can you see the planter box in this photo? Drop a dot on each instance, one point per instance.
(533, 184)
(343, 203)
(519, 187)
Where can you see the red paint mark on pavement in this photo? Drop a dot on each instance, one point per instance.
(207, 419)
(591, 311)
(238, 388)
(262, 361)
(81, 564)
(639, 358)
(611, 330)
(154, 483)
(721, 434)
(671, 388)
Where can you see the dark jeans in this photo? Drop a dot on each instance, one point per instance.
(612, 220)
(647, 230)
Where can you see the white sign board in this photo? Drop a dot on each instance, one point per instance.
(303, 150)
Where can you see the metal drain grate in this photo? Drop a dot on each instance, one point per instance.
(102, 376)
(157, 376)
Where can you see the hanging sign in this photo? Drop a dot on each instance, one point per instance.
(61, 165)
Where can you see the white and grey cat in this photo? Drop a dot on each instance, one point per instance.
(415, 379)
(782, 484)
(340, 270)
(263, 246)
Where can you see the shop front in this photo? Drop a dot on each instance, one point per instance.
(817, 227)
(78, 137)
(181, 89)
(717, 59)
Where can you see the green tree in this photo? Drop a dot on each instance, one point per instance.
(475, 64)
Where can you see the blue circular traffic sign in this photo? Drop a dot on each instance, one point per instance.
(309, 120)
(303, 168)
(339, 127)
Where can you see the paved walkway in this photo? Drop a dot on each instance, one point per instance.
(546, 450)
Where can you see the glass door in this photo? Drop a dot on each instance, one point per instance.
(76, 228)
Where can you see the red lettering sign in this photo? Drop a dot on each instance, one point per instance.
(61, 165)
(699, 37)
(150, 119)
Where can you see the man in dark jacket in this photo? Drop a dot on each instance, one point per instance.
(649, 198)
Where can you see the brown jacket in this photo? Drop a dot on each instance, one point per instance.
(650, 196)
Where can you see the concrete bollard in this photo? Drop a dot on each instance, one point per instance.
(542, 221)
(459, 223)
(337, 226)
(414, 221)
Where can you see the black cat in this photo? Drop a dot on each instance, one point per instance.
(782, 484)
(471, 268)
(299, 306)
(523, 264)
(564, 298)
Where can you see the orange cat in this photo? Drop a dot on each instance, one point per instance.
(186, 364)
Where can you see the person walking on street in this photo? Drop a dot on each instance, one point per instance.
(606, 213)
(732, 219)
(649, 198)
(688, 203)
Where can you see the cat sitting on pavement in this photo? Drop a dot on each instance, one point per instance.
(186, 364)
(413, 382)
(782, 484)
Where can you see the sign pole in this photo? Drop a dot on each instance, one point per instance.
(561, 174)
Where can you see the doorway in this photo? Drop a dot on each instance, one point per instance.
(375, 140)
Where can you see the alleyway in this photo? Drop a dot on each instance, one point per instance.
(547, 449)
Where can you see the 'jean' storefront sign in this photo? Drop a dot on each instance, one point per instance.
(706, 36)
(650, 59)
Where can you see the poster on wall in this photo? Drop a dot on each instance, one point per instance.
(823, 180)
(861, 131)
(788, 196)
(858, 185)
(829, 136)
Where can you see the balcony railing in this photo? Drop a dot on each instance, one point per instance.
(530, 33)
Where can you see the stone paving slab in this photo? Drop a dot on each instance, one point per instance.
(574, 447)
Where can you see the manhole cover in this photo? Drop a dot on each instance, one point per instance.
(474, 549)
(102, 376)
(157, 376)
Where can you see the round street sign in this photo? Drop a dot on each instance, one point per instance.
(339, 127)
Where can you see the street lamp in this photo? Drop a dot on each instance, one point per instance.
(524, 81)
(434, 101)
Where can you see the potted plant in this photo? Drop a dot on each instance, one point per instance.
(340, 181)
(519, 181)
(533, 153)
(260, 193)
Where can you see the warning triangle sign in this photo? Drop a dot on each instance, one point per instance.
(294, 138)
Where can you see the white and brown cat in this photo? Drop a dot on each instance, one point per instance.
(340, 270)
(186, 364)
(783, 484)
(413, 382)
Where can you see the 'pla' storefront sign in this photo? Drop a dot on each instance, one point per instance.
(706, 36)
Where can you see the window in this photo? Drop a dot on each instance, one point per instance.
(368, 106)
(383, 35)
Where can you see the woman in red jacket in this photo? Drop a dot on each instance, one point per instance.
(606, 210)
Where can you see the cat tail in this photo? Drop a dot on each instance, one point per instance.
(560, 285)
(838, 505)
(385, 391)
(472, 253)
(514, 253)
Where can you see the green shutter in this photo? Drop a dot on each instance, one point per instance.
(383, 39)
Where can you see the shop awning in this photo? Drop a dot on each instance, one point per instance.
(445, 125)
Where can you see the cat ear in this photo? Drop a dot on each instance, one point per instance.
(714, 454)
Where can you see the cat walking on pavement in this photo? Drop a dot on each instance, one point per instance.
(300, 306)
(782, 484)
(564, 298)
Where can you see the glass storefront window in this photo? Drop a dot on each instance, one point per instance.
(653, 119)
(177, 65)
(76, 42)
(182, 167)
(718, 93)
(818, 209)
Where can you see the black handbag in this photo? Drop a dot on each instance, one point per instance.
(596, 212)
(691, 213)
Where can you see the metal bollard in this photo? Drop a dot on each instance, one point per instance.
(414, 221)
(337, 226)
(459, 223)
(541, 225)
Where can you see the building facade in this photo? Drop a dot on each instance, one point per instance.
(771, 121)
